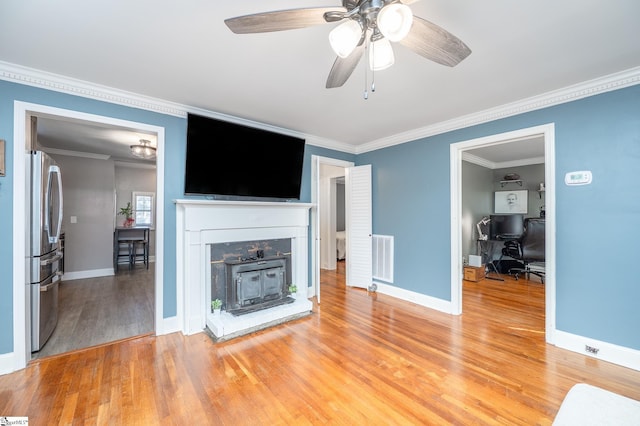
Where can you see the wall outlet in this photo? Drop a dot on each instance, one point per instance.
(591, 349)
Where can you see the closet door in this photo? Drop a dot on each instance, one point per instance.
(358, 226)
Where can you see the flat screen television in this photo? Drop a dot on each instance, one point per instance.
(231, 161)
(506, 226)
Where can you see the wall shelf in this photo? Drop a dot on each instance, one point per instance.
(504, 182)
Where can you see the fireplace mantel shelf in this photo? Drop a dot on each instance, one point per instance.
(279, 204)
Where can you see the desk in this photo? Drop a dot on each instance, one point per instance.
(128, 243)
(491, 250)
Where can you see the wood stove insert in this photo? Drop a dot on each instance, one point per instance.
(256, 283)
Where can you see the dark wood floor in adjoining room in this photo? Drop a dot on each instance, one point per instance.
(94, 311)
(360, 358)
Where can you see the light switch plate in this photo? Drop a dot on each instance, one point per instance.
(582, 177)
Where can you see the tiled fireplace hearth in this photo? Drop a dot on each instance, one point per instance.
(203, 223)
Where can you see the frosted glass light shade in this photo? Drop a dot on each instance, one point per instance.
(345, 37)
(394, 21)
(381, 55)
(143, 150)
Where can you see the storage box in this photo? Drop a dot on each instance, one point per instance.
(474, 273)
(475, 260)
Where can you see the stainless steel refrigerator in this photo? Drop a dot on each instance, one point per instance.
(45, 250)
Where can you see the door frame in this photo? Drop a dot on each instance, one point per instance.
(21, 294)
(318, 206)
(456, 152)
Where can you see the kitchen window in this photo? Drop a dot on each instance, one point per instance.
(143, 208)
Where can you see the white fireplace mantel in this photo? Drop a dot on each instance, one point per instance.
(200, 223)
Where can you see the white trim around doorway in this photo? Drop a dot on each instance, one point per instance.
(21, 354)
(456, 150)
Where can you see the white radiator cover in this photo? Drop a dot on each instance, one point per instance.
(383, 257)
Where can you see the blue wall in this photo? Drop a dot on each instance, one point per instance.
(175, 139)
(175, 131)
(597, 225)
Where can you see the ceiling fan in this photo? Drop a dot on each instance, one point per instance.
(368, 24)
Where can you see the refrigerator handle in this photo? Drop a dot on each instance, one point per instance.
(51, 260)
(44, 288)
(53, 237)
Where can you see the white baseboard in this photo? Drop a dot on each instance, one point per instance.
(169, 325)
(417, 298)
(609, 352)
(93, 273)
(7, 363)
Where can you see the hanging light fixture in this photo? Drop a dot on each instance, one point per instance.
(143, 150)
(381, 55)
(345, 37)
(394, 21)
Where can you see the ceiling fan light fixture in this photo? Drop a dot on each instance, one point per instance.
(394, 21)
(143, 150)
(345, 37)
(381, 55)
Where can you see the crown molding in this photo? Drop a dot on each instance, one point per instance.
(132, 165)
(75, 153)
(593, 87)
(46, 80)
(501, 165)
(470, 158)
(50, 81)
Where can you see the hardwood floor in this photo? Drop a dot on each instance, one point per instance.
(360, 358)
(95, 311)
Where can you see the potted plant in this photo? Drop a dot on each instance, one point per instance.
(127, 212)
(293, 290)
(216, 305)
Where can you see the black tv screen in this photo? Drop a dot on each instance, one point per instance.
(231, 160)
(506, 226)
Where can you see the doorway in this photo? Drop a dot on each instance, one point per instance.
(456, 153)
(22, 113)
(326, 176)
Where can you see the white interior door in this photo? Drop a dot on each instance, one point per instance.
(358, 226)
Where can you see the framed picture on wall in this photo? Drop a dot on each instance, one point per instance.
(511, 201)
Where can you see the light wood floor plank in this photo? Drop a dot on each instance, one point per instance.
(360, 358)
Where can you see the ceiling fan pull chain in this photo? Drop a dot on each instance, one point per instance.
(366, 48)
(373, 72)
(366, 92)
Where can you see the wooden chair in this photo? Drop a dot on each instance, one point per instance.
(141, 247)
(124, 248)
(132, 244)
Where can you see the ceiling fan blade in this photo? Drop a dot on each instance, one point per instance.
(343, 67)
(280, 20)
(435, 43)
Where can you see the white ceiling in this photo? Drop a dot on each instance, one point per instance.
(182, 52)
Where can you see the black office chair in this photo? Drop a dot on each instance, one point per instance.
(528, 249)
